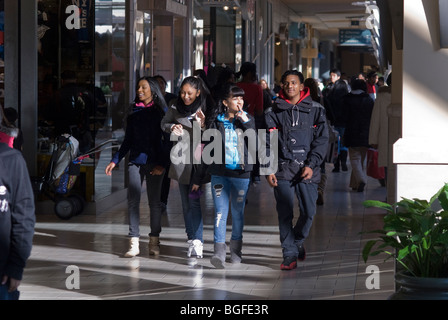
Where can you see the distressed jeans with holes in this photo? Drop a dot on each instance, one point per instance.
(225, 190)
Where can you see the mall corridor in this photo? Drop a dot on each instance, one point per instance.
(93, 245)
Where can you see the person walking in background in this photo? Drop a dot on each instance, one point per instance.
(230, 177)
(8, 132)
(253, 102)
(170, 98)
(253, 97)
(148, 150)
(315, 94)
(359, 110)
(225, 76)
(268, 96)
(302, 146)
(17, 218)
(71, 111)
(372, 80)
(379, 125)
(12, 116)
(193, 103)
(333, 98)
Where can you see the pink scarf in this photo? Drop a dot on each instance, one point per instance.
(141, 104)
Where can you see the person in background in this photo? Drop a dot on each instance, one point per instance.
(379, 126)
(268, 96)
(317, 98)
(333, 97)
(372, 80)
(148, 150)
(225, 76)
(230, 177)
(11, 115)
(253, 98)
(190, 110)
(302, 146)
(17, 218)
(72, 109)
(170, 98)
(253, 102)
(8, 132)
(356, 136)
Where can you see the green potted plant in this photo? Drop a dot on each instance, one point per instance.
(415, 234)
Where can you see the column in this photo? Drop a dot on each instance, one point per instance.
(421, 155)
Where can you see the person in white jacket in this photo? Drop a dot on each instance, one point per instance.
(378, 134)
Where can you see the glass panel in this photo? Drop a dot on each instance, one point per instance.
(110, 48)
(66, 67)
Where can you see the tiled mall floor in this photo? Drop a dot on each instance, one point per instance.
(94, 245)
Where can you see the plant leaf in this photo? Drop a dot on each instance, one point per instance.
(378, 204)
(442, 195)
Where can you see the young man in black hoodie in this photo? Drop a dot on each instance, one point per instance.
(17, 218)
(302, 146)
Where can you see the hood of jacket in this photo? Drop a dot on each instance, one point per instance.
(285, 104)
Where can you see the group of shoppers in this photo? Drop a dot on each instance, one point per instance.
(294, 116)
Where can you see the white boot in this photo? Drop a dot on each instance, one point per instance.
(195, 247)
(133, 248)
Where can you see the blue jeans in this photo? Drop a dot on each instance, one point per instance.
(153, 189)
(293, 236)
(192, 213)
(225, 189)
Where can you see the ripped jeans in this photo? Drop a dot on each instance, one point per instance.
(225, 190)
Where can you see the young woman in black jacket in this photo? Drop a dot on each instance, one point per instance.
(148, 149)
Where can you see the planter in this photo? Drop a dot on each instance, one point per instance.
(414, 288)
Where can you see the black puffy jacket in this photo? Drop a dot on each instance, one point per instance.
(17, 213)
(302, 136)
(359, 111)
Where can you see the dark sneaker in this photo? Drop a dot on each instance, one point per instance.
(289, 263)
(302, 253)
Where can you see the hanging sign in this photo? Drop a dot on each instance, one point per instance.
(355, 37)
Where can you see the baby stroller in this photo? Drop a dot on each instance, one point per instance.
(60, 176)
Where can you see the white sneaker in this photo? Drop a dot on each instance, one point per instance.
(133, 248)
(195, 247)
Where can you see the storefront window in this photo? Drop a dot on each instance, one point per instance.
(220, 40)
(88, 42)
(110, 72)
(81, 54)
(66, 99)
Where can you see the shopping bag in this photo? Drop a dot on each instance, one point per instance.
(372, 165)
